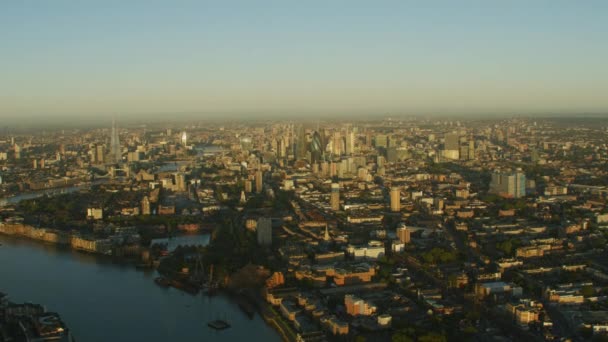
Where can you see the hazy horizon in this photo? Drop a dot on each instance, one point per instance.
(234, 59)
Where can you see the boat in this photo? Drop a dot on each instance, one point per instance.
(162, 282)
(184, 286)
(219, 324)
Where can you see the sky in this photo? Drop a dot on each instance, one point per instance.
(138, 58)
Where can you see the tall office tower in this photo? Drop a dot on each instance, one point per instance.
(145, 206)
(337, 144)
(301, 144)
(115, 144)
(335, 197)
(508, 184)
(17, 150)
(395, 199)
(184, 138)
(350, 143)
(316, 148)
(100, 150)
(281, 148)
(264, 231)
(471, 149)
(259, 181)
(403, 234)
(451, 148)
(180, 182)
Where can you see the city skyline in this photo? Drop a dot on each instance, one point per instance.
(64, 59)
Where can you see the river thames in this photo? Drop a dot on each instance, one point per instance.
(102, 301)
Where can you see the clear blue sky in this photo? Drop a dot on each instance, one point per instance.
(292, 57)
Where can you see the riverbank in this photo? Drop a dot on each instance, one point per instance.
(130, 305)
(100, 246)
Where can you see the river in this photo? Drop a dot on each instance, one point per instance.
(103, 301)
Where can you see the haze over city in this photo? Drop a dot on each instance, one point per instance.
(137, 59)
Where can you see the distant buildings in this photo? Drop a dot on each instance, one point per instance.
(508, 184)
(451, 148)
(95, 213)
(403, 234)
(356, 306)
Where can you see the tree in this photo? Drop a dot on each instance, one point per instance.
(588, 291)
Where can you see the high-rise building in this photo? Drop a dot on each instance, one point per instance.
(316, 148)
(403, 234)
(350, 143)
(184, 138)
(395, 199)
(451, 147)
(180, 182)
(301, 144)
(100, 151)
(337, 143)
(17, 150)
(264, 231)
(508, 184)
(335, 197)
(259, 181)
(115, 152)
(471, 149)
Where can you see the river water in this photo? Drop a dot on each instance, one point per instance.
(103, 301)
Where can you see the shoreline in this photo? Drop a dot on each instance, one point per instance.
(264, 309)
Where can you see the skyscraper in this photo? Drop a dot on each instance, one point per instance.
(451, 147)
(184, 139)
(395, 199)
(259, 181)
(301, 144)
(115, 153)
(316, 147)
(264, 231)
